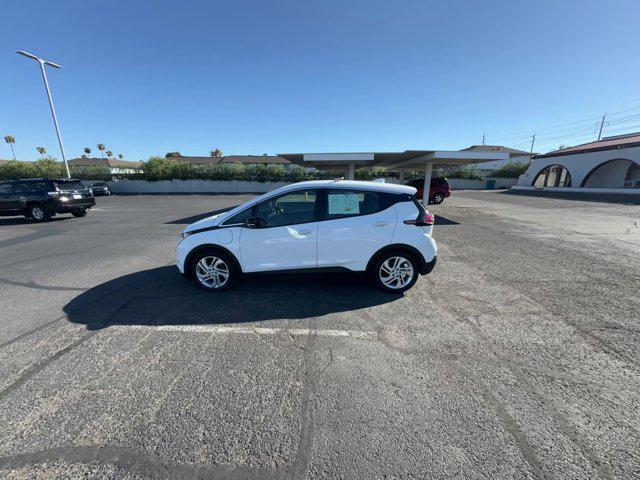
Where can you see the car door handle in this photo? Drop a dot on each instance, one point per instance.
(380, 224)
(304, 232)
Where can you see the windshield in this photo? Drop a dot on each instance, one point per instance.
(69, 185)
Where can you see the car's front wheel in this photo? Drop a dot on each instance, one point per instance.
(214, 271)
(396, 272)
(438, 198)
(79, 213)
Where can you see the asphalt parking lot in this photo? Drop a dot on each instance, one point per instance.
(518, 357)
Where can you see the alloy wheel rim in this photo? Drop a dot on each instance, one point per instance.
(37, 213)
(396, 272)
(212, 272)
(438, 198)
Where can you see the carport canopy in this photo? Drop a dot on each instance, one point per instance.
(394, 161)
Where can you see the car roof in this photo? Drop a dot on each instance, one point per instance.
(349, 184)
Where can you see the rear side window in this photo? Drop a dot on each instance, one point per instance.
(71, 185)
(439, 181)
(6, 187)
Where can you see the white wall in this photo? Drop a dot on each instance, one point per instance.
(495, 164)
(580, 164)
(192, 186)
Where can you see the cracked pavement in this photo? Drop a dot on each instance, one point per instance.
(518, 357)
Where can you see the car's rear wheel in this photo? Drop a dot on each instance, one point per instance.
(438, 198)
(79, 213)
(396, 272)
(214, 271)
(39, 213)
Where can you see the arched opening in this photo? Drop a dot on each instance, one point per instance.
(615, 173)
(553, 176)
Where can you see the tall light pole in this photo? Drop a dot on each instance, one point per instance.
(42, 63)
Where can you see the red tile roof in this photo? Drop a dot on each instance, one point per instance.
(607, 143)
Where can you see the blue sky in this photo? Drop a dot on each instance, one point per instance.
(272, 77)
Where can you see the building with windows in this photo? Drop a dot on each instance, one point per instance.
(610, 165)
(114, 165)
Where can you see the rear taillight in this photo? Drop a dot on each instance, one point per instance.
(425, 220)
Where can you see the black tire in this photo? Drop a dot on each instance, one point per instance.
(395, 275)
(437, 199)
(227, 271)
(39, 213)
(79, 213)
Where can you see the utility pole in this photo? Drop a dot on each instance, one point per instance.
(483, 137)
(601, 125)
(533, 140)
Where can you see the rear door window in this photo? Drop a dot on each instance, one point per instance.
(350, 203)
(33, 186)
(6, 187)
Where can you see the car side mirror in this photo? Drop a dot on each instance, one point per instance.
(251, 222)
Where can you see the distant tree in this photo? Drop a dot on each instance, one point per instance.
(84, 155)
(41, 151)
(87, 152)
(120, 156)
(217, 153)
(173, 155)
(10, 140)
(102, 148)
(109, 153)
(265, 155)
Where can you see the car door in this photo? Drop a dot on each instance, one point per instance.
(354, 224)
(284, 236)
(8, 202)
(26, 190)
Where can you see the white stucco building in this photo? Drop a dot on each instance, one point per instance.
(610, 165)
(514, 156)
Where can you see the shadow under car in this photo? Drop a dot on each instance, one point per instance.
(161, 296)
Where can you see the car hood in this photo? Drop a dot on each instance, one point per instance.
(203, 223)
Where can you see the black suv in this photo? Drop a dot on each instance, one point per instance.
(41, 198)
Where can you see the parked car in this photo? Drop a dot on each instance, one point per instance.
(314, 226)
(438, 191)
(41, 198)
(100, 188)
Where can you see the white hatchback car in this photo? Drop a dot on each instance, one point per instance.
(315, 226)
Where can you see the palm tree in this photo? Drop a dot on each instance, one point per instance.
(120, 156)
(87, 151)
(41, 151)
(109, 153)
(102, 148)
(217, 153)
(10, 140)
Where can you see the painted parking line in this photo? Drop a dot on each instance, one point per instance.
(221, 330)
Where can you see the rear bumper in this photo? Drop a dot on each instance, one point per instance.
(73, 205)
(427, 267)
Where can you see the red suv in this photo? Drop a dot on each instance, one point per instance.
(438, 191)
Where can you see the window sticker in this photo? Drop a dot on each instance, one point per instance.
(344, 204)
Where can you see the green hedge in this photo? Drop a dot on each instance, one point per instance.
(156, 169)
(50, 168)
(511, 170)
